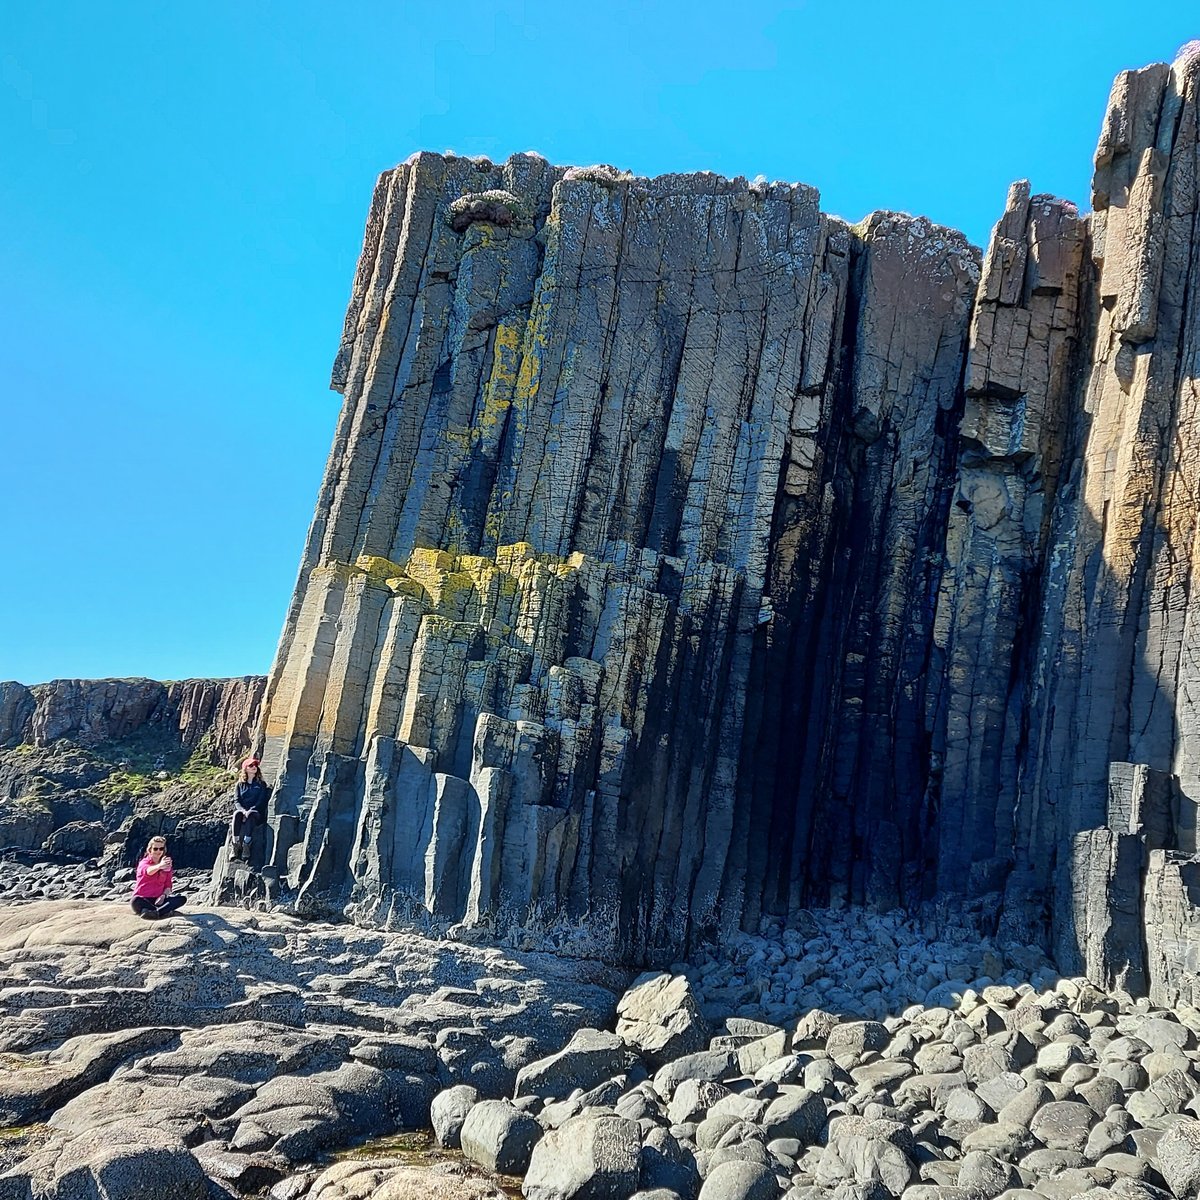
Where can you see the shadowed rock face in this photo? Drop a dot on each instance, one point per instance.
(685, 553)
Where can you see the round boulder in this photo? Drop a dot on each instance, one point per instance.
(851, 1040)
(588, 1157)
(796, 1113)
(740, 1180)
(448, 1112)
(1063, 1124)
(498, 1137)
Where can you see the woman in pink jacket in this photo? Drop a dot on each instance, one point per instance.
(155, 876)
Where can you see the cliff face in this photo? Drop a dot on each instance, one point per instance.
(177, 716)
(686, 553)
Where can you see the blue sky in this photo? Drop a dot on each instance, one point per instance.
(182, 202)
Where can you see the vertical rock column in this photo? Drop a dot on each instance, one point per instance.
(1118, 635)
(836, 758)
(1020, 388)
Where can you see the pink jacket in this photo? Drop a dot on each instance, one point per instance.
(150, 887)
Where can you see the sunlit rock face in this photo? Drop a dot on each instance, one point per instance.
(686, 554)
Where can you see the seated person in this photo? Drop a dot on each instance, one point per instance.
(152, 896)
(249, 808)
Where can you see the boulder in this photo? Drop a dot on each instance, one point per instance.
(447, 1113)
(499, 1137)
(711, 1065)
(1063, 1124)
(982, 1176)
(740, 1180)
(849, 1041)
(865, 1151)
(660, 1018)
(666, 1163)
(589, 1158)
(591, 1057)
(1179, 1159)
(796, 1113)
(813, 1029)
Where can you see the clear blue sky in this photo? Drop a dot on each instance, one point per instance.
(182, 199)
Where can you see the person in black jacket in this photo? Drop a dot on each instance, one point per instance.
(249, 808)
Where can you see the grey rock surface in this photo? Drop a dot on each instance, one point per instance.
(264, 1039)
(498, 1137)
(588, 1158)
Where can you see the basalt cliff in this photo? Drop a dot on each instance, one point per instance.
(687, 555)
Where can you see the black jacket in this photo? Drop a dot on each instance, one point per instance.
(253, 795)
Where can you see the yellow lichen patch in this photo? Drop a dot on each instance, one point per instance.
(501, 383)
(425, 561)
(510, 558)
(378, 570)
(517, 557)
(466, 587)
(537, 336)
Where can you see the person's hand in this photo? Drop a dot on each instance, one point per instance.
(165, 863)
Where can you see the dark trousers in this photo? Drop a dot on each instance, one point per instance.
(152, 910)
(244, 824)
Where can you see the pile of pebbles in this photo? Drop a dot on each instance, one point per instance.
(854, 963)
(1013, 1093)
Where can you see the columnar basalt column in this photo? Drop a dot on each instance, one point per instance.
(1114, 665)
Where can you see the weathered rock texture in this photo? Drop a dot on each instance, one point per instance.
(685, 553)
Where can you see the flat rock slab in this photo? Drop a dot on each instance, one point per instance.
(383, 1179)
(261, 1036)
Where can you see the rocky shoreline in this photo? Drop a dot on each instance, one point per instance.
(233, 1052)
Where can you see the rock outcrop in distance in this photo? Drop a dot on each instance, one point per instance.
(175, 717)
(91, 768)
(687, 554)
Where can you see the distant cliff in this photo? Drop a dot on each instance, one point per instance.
(90, 764)
(686, 553)
(93, 712)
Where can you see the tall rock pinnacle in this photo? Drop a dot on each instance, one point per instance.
(685, 553)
